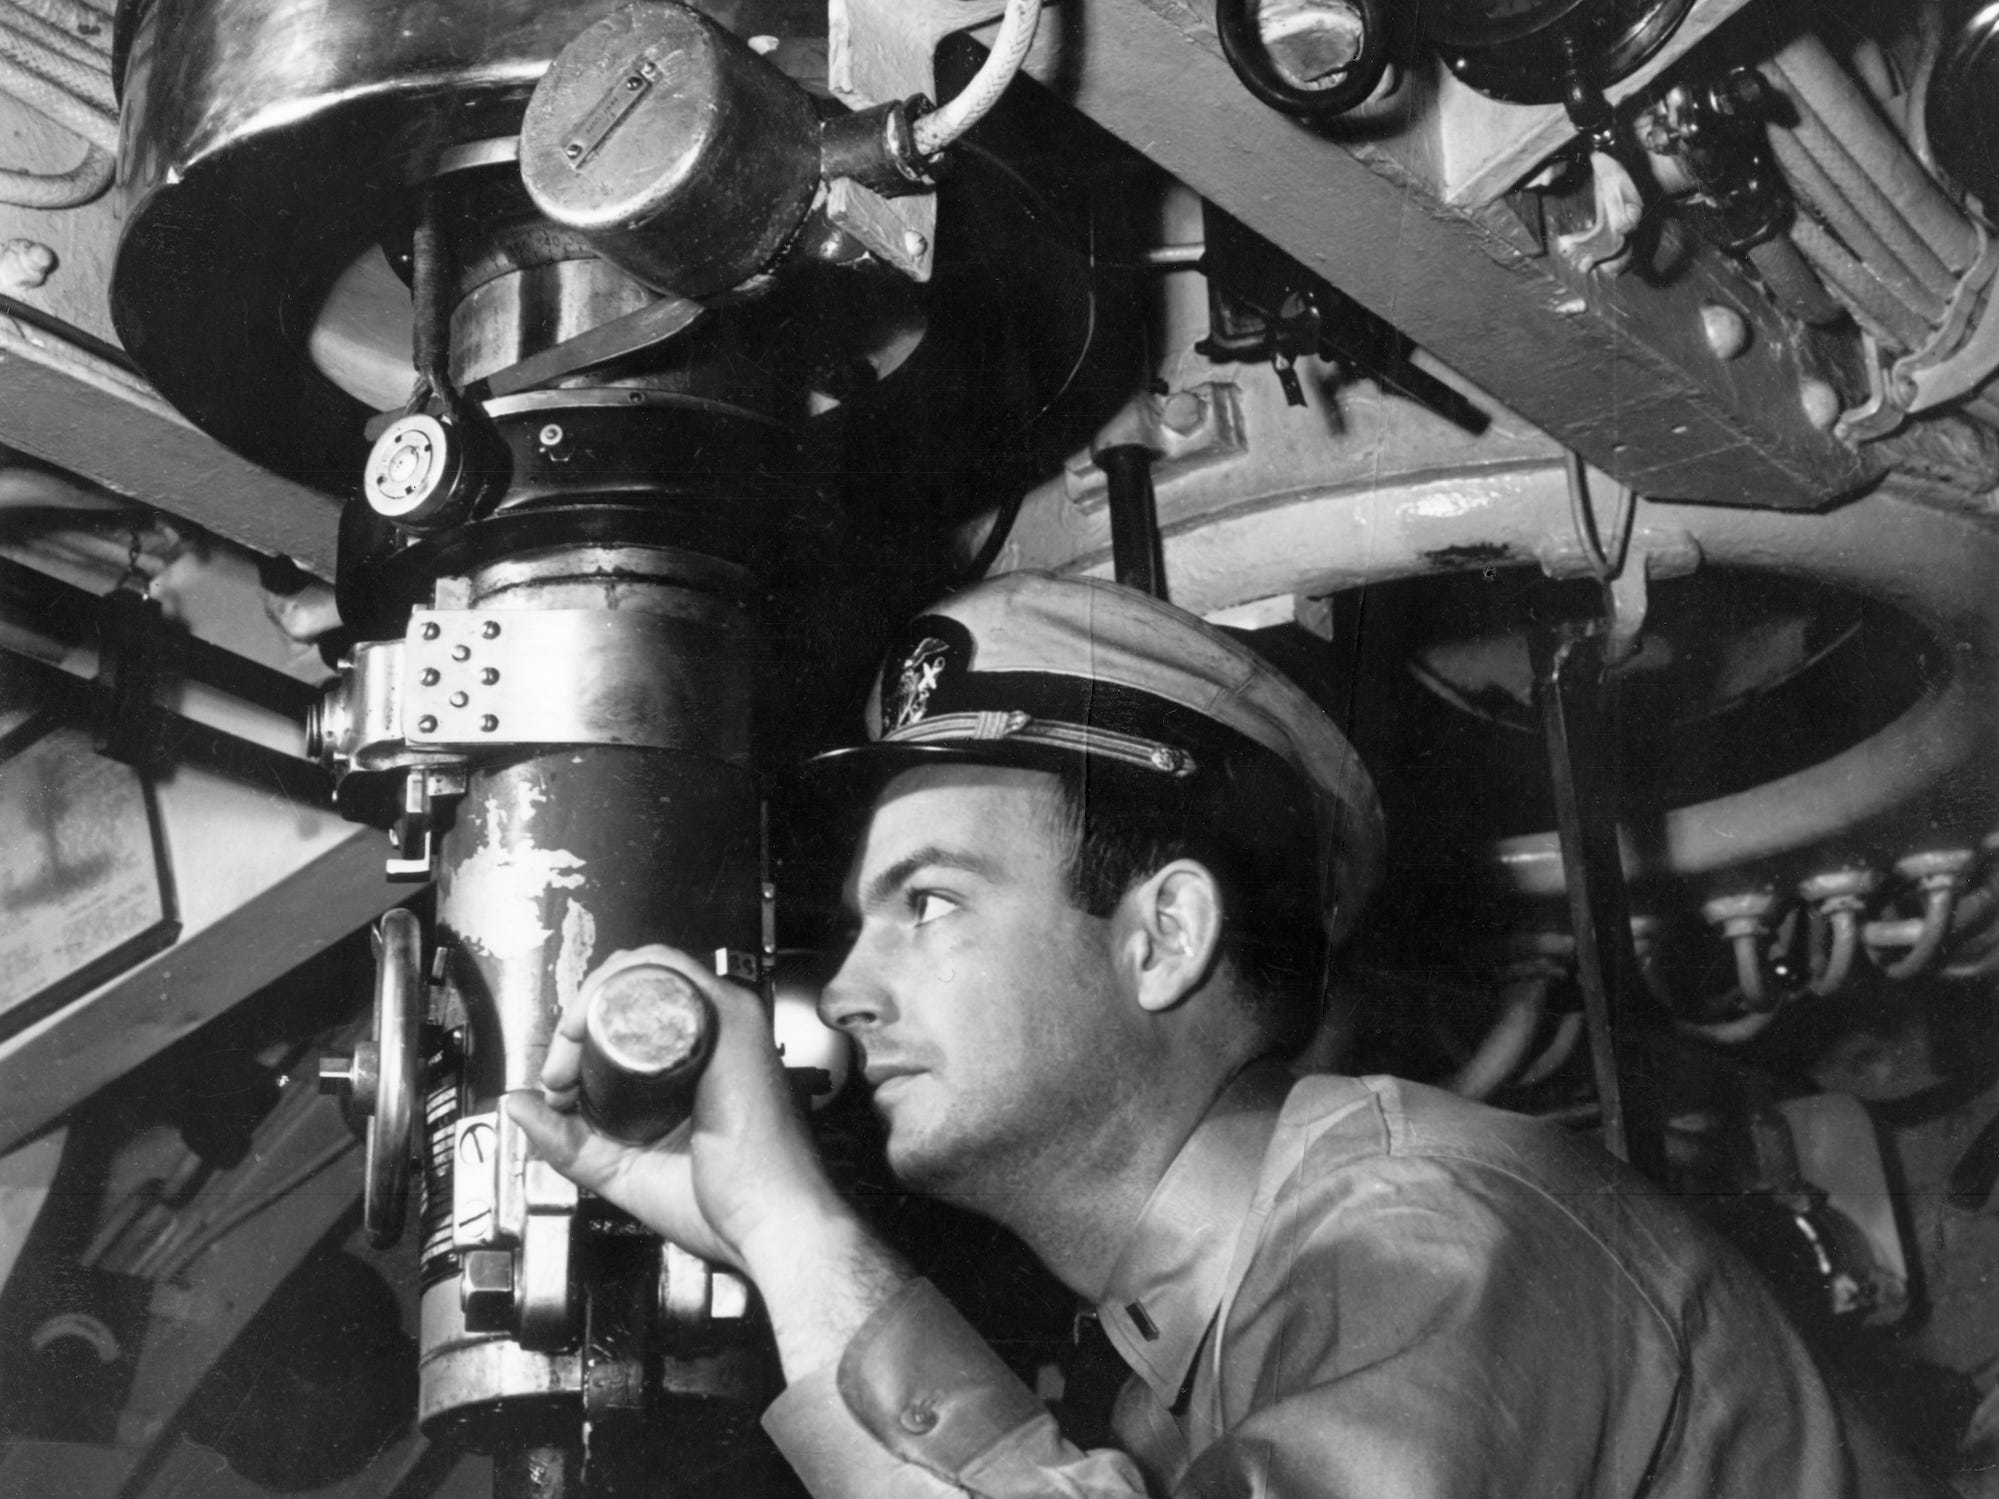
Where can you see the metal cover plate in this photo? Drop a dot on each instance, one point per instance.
(572, 676)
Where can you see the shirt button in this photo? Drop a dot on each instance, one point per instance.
(919, 1419)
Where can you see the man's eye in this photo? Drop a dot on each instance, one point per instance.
(928, 905)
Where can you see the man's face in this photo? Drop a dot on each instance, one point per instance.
(985, 1003)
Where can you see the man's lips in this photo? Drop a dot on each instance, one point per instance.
(878, 1073)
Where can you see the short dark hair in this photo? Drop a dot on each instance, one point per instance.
(1252, 826)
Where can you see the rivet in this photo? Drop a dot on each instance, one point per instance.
(428, 676)
(461, 653)
(1727, 331)
(919, 1418)
(1821, 403)
(430, 629)
(488, 723)
(490, 675)
(459, 699)
(550, 435)
(426, 725)
(1164, 759)
(490, 629)
(915, 245)
(635, 399)
(572, 150)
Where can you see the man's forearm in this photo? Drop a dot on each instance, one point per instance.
(821, 1275)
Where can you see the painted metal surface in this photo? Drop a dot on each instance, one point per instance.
(1328, 509)
(1616, 368)
(263, 885)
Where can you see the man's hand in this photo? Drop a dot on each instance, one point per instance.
(740, 1183)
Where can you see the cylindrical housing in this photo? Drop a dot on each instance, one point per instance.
(680, 154)
(647, 1036)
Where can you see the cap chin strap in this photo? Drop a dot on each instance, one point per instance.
(1021, 728)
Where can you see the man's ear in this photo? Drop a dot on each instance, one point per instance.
(1169, 933)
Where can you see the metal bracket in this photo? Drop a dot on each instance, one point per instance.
(879, 51)
(477, 678)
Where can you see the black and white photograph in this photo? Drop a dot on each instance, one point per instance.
(1031, 749)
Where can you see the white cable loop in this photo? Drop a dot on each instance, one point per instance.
(86, 23)
(97, 126)
(944, 125)
(82, 183)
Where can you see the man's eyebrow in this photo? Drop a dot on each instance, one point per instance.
(891, 879)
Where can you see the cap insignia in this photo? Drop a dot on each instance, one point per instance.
(908, 699)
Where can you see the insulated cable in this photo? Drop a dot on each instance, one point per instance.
(946, 123)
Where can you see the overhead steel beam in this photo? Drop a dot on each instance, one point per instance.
(83, 411)
(1616, 367)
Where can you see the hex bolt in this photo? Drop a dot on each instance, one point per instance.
(426, 725)
(461, 653)
(489, 723)
(490, 629)
(550, 435)
(428, 676)
(1727, 330)
(460, 699)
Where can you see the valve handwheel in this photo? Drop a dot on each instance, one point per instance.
(380, 1078)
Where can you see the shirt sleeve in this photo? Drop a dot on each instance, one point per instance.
(918, 1406)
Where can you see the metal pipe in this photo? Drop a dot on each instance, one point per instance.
(1136, 555)
(1568, 1031)
(1793, 283)
(1817, 78)
(1937, 903)
(1568, 681)
(1814, 183)
(1811, 135)
(1505, 1044)
(1869, 299)
(1832, 964)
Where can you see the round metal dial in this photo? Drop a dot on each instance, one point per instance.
(1529, 51)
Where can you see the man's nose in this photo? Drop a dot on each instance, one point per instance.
(851, 1000)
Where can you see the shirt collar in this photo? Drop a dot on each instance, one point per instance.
(1171, 1277)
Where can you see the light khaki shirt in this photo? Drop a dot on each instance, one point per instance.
(1359, 1288)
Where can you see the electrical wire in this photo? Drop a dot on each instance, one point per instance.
(945, 124)
(1605, 562)
(66, 78)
